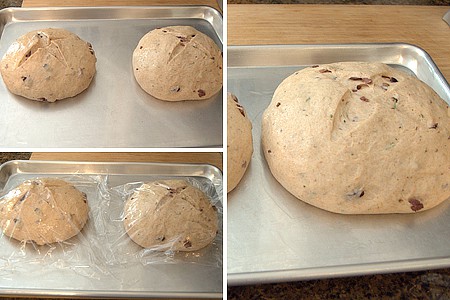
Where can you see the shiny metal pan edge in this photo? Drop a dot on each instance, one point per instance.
(412, 57)
(114, 111)
(274, 237)
(13, 167)
(20, 14)
(174, 280)
(337, 272)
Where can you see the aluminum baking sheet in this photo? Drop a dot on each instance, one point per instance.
(114, 111)
(94, 278)
(274, 237)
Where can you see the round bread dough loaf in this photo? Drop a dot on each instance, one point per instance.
(170, 214)
(178, 63)
(48, 65)
(239, 142)
(43, 211)
(359, 138)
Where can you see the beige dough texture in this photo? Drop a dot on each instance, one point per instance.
(48, 65)
(239, 142)
(359, 138)
(43, 211)
(170, 214)
(178, 63)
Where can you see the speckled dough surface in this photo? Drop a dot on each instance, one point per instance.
(239, 142)
(170, 214)
(178, 63)
(359, 138)
(48, 65)
(44, 211)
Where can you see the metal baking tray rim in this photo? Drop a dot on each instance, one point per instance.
(207, 10)
(326, 45)
(105, 294)
(339, 271)
(213, 171)
(367, 46)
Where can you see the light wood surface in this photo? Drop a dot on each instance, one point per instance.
(323, 24)
(212, 158)
(46, 3)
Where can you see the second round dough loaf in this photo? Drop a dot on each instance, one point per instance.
(178, 63)
(170, 214)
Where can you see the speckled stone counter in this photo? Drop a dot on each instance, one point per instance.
(415, 285)
(7, 156)
(9, 3)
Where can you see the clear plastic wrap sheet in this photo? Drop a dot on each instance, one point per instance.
(101, 257)
(124, 250)
(81, 253)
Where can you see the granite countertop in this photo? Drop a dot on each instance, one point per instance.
(9, 3)
(414, 285)
(7, 156)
